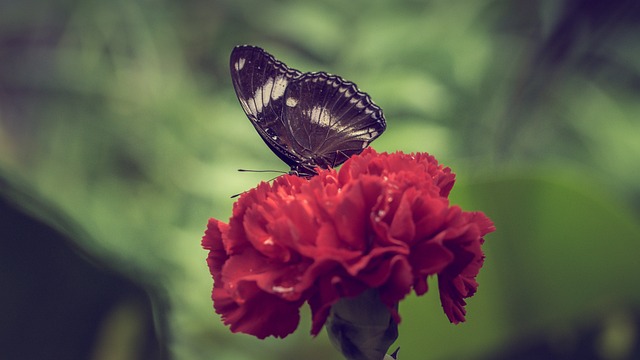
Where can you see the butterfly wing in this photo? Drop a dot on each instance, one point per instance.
(260, 82)
(307, 120)
(330, 119)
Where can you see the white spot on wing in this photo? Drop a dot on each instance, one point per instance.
(292, 102)
(252, 107)
(266, 90)
(256, 101)
(240, 64)
(363, 134)
(244, 104)
(279, 86)
(320, 116)
(272, 89)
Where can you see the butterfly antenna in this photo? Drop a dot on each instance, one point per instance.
(259, 171)
(262, 171)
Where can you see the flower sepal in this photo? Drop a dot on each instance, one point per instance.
(362, 327)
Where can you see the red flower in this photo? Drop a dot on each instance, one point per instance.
(383, 221)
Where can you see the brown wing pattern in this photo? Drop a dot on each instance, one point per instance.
(306, 119)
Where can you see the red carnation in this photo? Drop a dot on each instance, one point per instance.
(382, 222)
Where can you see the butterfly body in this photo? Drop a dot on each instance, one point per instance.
(308, 120)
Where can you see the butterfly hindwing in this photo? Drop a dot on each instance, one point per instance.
(335, 119)
(307, 119)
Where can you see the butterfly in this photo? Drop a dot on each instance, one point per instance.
(308, 120)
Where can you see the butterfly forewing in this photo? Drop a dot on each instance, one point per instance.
(308, 120)
(260, 81)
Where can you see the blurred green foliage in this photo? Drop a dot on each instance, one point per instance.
(123, 116)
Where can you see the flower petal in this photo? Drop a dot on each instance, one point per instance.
(382, 222)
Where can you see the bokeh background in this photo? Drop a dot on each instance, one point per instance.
(120, 135)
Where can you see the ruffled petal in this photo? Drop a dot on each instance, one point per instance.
(382, 222)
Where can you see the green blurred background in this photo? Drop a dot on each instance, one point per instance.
(120, 135)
